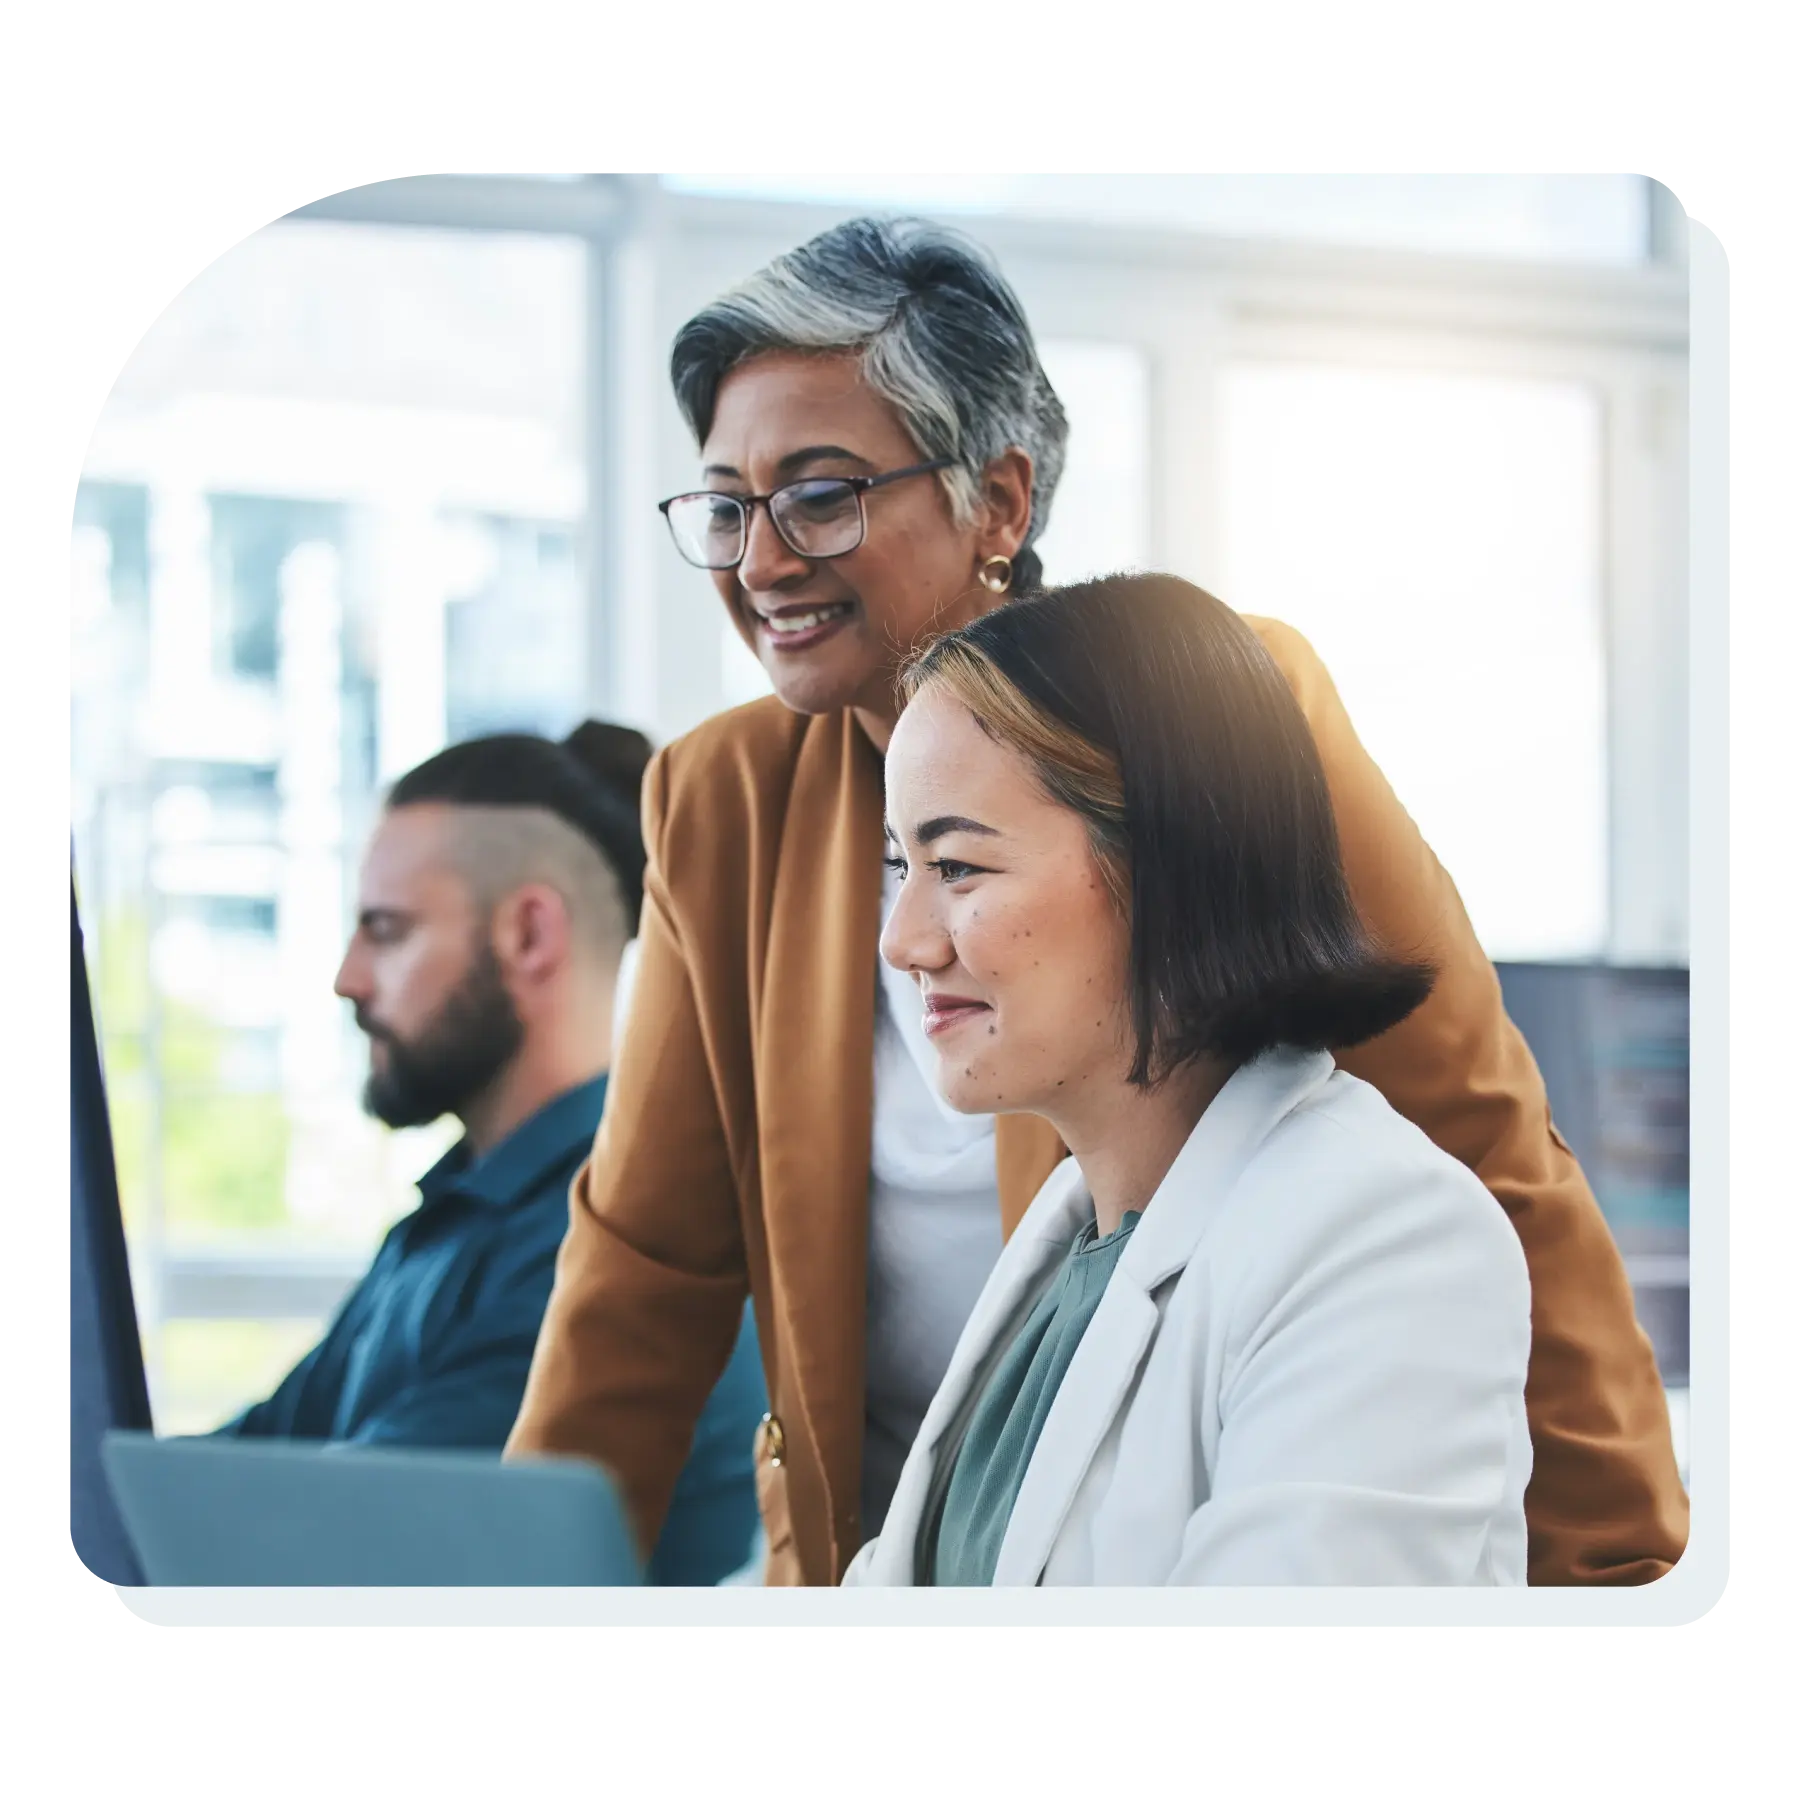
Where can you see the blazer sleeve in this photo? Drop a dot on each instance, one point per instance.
(1606, 1504)
(650, 1280)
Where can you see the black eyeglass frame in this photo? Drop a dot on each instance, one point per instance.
(748, 503)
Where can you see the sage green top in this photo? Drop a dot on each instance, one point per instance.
(965, 1528)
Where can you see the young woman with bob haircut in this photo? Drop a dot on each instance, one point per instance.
(1258, 1328)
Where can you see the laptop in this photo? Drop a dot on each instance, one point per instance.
(232, 1512)
(205, 1512)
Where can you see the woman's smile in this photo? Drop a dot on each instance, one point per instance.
(944, 1012)
(787, 629)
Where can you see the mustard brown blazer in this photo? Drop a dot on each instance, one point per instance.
(734, 1152)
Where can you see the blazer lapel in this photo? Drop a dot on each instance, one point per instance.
(1105, 1364)
(1093, 1389)
(999, 1312)
(815, 1101)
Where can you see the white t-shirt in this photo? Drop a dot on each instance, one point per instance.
(934, 1223)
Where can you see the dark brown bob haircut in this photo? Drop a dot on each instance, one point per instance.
(1153, 711)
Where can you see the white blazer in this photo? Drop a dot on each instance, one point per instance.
(1307, 1368)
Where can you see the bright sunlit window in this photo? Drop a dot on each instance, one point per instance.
(1595, 219)
(329, 521)
(1100, 518)
(1438, 539)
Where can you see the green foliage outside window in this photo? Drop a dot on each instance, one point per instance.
(223, 1154)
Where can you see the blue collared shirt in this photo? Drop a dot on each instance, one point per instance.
(432, 1346)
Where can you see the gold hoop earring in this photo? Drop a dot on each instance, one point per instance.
(996, 574)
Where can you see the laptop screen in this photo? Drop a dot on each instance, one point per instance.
(107, 1389)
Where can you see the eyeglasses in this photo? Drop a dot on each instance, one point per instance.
(819, 517)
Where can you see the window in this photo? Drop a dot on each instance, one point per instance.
(513, 639)
(252, 536)
(1438, 539)
(1100, 518)
(334, 478)
(1596, 219)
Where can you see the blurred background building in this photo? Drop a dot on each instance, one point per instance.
(385, 475)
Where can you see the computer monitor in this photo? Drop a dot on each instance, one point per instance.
(107, 1389)
(1612, 1043)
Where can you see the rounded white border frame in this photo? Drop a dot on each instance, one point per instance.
(1687, 1593)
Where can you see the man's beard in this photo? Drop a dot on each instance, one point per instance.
(456, 1054)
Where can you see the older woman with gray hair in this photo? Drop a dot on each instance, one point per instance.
(880, 450)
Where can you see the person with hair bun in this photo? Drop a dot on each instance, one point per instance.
(879, 452)
(501, 883)
(1257, 1328)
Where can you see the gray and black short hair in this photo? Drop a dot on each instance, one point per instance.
(942, 338)
(533, 809)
